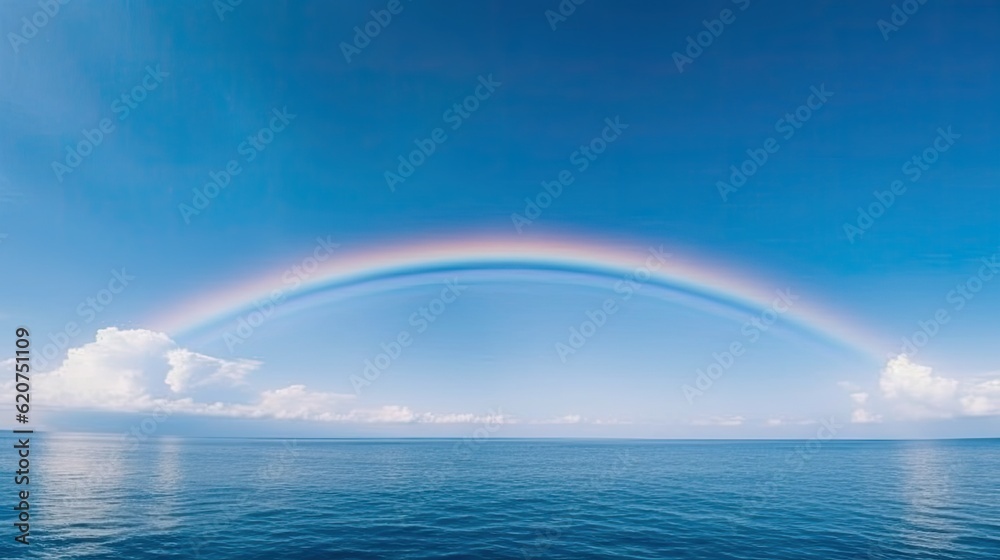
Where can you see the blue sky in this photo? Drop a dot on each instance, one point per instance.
(198, 80)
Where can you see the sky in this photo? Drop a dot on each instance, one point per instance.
(725, 219)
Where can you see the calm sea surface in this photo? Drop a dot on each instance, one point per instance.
(97, 497)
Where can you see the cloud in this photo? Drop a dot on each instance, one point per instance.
(294, 402)
(862, 416)
(140, 370)
(576, 419)
(115, 372)
(431, 418)
(612, 422)
(297, 403)
(982, 399)
(774, 422)
(848, 386)
(904, 380)
(131, 370)
(566, 419)
(859, 398)
(917, 392)
(719, 421)
(189, 369)
(911, 391)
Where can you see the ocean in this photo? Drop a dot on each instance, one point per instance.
(104, 497)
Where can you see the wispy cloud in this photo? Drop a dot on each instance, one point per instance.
(719, 421)
(774, 422)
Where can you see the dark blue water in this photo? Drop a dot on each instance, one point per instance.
(102, 497)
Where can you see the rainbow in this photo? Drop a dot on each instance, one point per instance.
(372, 270)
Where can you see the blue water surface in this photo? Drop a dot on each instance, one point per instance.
(110, 498)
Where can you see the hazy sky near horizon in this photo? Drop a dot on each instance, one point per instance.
(156, 154)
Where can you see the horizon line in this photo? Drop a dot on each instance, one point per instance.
(488, 439)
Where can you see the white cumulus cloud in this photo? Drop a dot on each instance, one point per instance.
(139, 370)
(114, 372)
(912, 391)
(905, 380)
